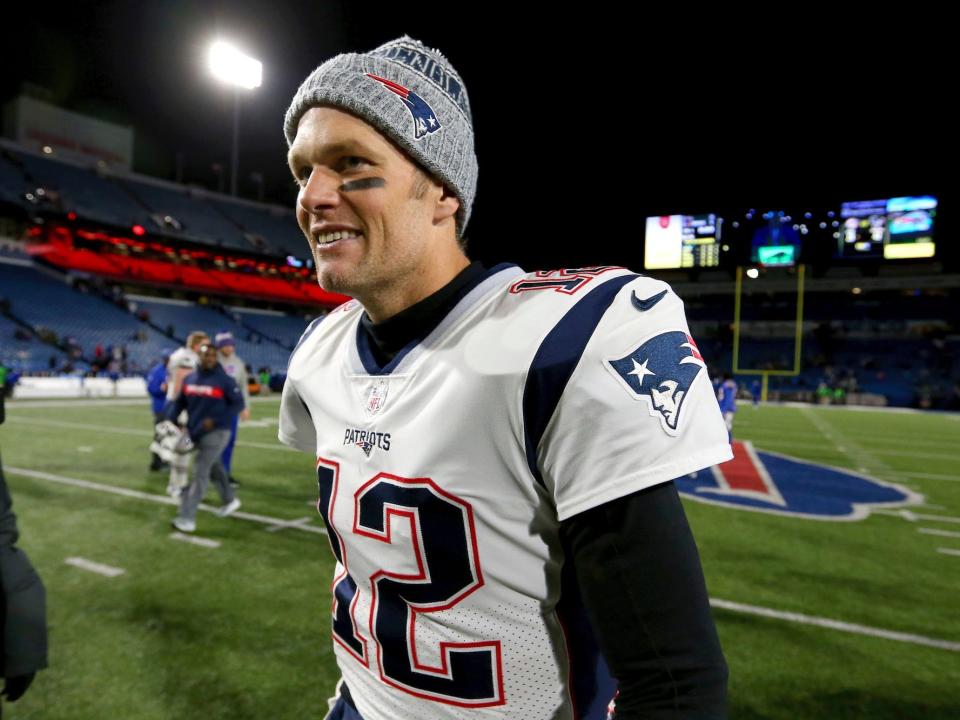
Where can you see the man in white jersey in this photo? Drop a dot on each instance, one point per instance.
(182, 362)
(494, 448)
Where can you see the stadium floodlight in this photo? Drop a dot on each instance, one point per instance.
(230, 65)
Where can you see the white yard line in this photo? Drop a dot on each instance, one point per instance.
(836, 624)
(913, 517)
(947, 415)
(940, 533)
(948, 551)
(95, 567)
(868, 461)
(766, 433)
(137, 433)
(88, 402)
(193, 540)
(928, 476)
(162, 499)
(292, 523)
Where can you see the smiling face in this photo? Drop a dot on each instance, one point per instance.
(379, 229)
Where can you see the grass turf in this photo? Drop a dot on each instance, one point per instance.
(242, 630)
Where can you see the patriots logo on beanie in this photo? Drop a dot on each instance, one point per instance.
(424, 118)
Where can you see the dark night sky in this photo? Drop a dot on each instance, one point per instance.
(585, 122)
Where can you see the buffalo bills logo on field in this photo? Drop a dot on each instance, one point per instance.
(424, 118)
(660, 371)
(774, 483)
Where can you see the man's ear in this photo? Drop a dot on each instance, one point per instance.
(447, 205)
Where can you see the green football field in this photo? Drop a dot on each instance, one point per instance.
(818, 619)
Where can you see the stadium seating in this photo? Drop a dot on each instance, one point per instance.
(256, 350)
(82, 190)
(27, 355)
(13, 184)
(47, 302)
(198, 220)
(277, 228)
(284, 329)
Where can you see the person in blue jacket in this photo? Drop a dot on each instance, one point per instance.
(157, 389)
(212, 400)
(727, 397)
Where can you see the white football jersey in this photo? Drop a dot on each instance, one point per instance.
(444, 476)
(182, 357)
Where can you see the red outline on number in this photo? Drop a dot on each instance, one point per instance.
(584, 275)
(363, 660)
(445, 647)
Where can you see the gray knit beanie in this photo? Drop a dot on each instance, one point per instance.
(411, 94)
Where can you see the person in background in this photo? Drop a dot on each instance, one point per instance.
(23, 616)
(182, 362)
(264, 374)
(237, 369)
(212, 401)
(157, 389)
(727, 397)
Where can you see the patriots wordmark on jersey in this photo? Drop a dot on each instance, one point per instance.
(444, 476)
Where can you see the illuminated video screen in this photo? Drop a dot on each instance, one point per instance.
(774, 238)
(682, 241)
(776, 255)
(892, 229)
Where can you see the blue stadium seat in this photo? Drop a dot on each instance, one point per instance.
(31, 355)
(83, 191)
(278, 228)
(13, 183)
(255, 350)
(46, 301)
(198, 220)
(285, 329)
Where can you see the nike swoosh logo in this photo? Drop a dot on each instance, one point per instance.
(644, 305)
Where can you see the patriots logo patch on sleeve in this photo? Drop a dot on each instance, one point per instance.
(660, 371)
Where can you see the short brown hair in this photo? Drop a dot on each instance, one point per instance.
(195, 337)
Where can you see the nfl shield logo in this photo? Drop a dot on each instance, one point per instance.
(376, 397)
